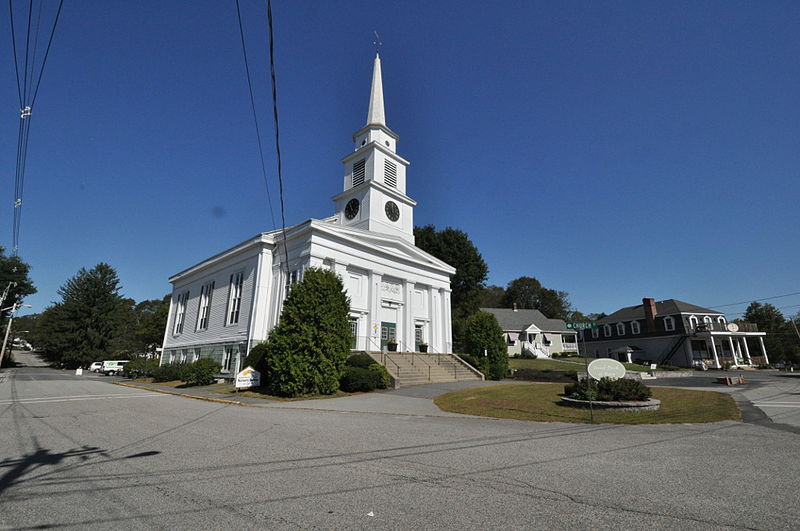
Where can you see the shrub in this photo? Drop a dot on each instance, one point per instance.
(306, 351)
(356, 379)
(140, 367)
(537, 375)
(360, 360)
(609, 390)
(528, 355)
(384, 378)
(168, 373)
(484, 334)
(201, 372)
(257, 358)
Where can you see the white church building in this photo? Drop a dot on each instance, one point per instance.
(228, 303)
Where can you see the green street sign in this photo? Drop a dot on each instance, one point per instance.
(581, 325)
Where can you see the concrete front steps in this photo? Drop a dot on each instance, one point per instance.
(415, 368)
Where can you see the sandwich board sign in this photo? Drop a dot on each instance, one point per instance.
(248, 378)
(606, 368)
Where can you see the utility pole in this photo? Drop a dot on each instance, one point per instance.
(13, 309)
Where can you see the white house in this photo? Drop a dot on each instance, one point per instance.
(224, 305)
(530, 332)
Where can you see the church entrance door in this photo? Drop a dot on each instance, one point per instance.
(388, 331)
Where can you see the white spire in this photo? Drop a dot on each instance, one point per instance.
(375, 115)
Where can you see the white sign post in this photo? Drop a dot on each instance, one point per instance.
(248, 378)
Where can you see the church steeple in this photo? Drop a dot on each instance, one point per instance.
(374, 196)
(375, 114)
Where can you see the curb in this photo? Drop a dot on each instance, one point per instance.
(184, 395)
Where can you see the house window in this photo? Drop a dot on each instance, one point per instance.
(721, 320)
(620, 329)
(692, 322)
(635, 328)
(227, 358)
(235, 297)
(180, 312)
(390, 173)
(354, 331)
(595, 333)
(184, 355)
(358, 172)
(607, 330)
(205, 305)
(196, 355)
(707, 320)
(669, 324)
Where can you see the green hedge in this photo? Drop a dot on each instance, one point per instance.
(608, 390)
(168, 373)
(358, 379)
(545, 375)
(201, 372)
(360, 360)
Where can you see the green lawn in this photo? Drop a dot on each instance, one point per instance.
(569, 364)
(541, 402)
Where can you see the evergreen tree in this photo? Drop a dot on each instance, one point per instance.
(484, 335)
(528, 293)
(305, 353)
(81, 327)
(14, 276)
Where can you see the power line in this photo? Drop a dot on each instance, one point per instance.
(277, 129)
(255, 116)
(756, 300)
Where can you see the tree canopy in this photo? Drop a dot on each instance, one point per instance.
(14, 271)
(484, 336)
(781, 341)
(528, 293)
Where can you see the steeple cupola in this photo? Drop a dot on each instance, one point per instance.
(374, 196)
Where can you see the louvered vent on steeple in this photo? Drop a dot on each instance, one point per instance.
(390, 173)
(358, 172)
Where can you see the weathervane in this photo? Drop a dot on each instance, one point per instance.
(377, 42)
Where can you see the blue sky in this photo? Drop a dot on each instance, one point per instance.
(613, 150)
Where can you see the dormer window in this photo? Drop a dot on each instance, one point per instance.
(721, 320)
(607, 330)
(707, 320)
(669, 324)
(620, 329)
(692, 322)
(635, 328)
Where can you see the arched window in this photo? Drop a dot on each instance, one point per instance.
(692, 322)
(721, 319)
(620, 329)
(669, 324)
(707, 319)
(607, 330)
(635, 328)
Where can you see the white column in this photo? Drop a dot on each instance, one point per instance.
(714, 351)
(733, 350)
(447, 322)
(408, 315)
(374, 309)
(763, 350)
(746, 351)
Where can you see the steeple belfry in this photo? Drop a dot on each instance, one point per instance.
(375, 114)
(374, 193)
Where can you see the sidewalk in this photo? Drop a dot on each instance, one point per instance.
(200, 393)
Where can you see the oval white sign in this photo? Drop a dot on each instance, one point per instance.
(606, 368)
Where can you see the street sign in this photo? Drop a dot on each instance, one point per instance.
(581, 325)
(248, 378)
(606, 368)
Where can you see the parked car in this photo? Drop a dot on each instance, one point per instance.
(97, 366)
(113, 367)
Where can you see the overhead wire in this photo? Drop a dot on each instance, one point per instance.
(28, 84)
(756, 300)
(277, 130)
(255, 115)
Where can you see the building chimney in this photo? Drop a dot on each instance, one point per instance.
(649, 305)
(515, 306)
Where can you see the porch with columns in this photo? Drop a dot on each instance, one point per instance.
(727, 347)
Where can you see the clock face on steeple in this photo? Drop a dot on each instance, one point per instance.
(392, 211)
(351, 210)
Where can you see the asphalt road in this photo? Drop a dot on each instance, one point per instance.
(81, 453)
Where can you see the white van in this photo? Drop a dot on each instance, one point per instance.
(113, 367)
(96, 366)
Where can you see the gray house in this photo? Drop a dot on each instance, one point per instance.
(673, 332)
(530, 332)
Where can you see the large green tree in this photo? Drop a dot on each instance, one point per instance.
(781, 341)
(141, 326)
(454, 247)
(484, 337)
(528, 293)
(305, 353)
(14, 277)
(492, 297)
(81, 327)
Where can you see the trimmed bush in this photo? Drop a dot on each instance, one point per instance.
(545, 375)
(360, 360)
(257, 358)
(140, 368)
(356, 379)
(384, 378)
(483, 334)
(168, 373)
(201, 372)
(608, 390)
